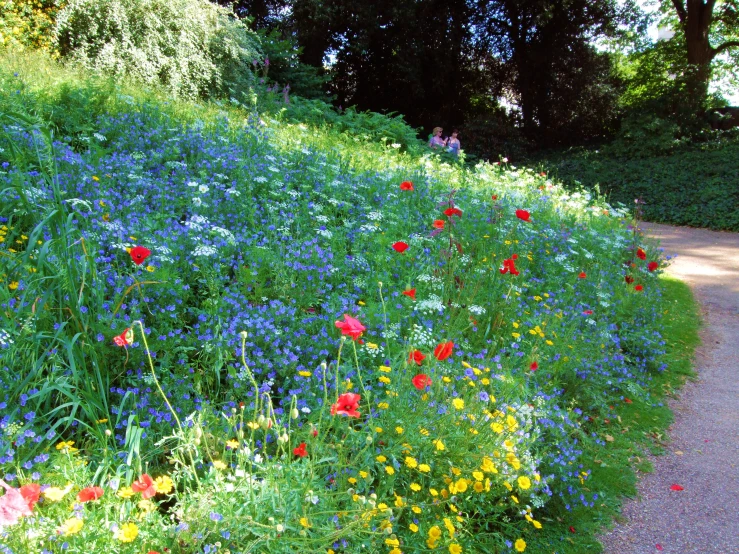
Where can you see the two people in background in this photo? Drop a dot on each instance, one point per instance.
(450, 144)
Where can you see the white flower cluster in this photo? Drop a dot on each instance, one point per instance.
(204, 250)
(421, 336)
(197, 223)
(225, 233)
(430, 305)
(5, 339)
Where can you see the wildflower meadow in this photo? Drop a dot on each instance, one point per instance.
(223, 331)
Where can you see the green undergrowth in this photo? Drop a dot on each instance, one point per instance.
(696, 185)
(638, 431)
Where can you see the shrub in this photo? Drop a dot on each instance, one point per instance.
(207, 53)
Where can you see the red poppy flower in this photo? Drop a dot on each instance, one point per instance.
(627, 400)
(438, 224)
(350, 326)
(449, 212)
(588, 312)
(90, 493)
(638, 288)
(145, 485)
(629, 279)
(300, 450)
(534, 366)
(421, 381)
(572, 529)
(400, 246)
(410, 293)
(443, 350)
(139, 254)
(416, 356)
(523, 214)
(676, 488)
(494, 197)
(30, 494)
(314, 433)
(582, 275)
(125, 338)
(652, 266)
(641, 254)
(347, 405)
(509, 265)
(406, 185)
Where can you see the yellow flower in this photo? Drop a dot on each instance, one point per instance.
(413, 527)
(390, 470)
(434, 492)
(383, 405)
(411, 462)
(488, 466)
(478, 486)
(55, 494)
(382, 459)
(66, 447)
(424, 432)
(163, 484)
(458, 403)
(520, 545)
(218, 464)
(13, 285)
(416, 509)
(304, 522)
(439, 445)
(127, 532)
(371, 345)
(449, 526)
(72, 526)
(435, 532)
(363, 474)
(461, 485)
(497, 427)
(396, 551)
(233, 444)
(146, 506)
(384, 379)
(125, 492)
(352, 480)
(150, 268)
(524, 483)
(399, 430)
(424, 468)
(514, 498)
(95, 178)
(455, 549)
(384, 369)
(415, 487)
(478, 475)
(536, 524)
(378, 429)
(392, 542)
(253, 425)
(456, 471)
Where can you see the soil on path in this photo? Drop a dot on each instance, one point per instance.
(702, 454)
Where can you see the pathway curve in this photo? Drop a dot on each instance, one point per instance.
(703, 453)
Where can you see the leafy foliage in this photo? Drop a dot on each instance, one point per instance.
(207, 53)
(28, 23)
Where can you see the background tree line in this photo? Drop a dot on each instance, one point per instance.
(572, 68)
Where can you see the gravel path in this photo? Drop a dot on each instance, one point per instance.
(703, 453)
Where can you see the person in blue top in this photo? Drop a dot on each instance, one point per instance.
(453, 145)
(436, 140)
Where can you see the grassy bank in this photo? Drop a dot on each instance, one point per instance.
(224, 330)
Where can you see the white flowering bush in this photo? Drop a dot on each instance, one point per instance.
(193, 48)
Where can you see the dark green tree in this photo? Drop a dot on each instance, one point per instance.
(563, 86)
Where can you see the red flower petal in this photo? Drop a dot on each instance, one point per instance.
(659, 547)
(676, 488)
(139, 254)
(421, 381)
(582, 275)
(444, 350)
(523, 215)
(90, 493)
(410, 293)
(438, 224)
(406, 185)
(534, 366)
(400, 246)
(449, 212)
(652, 266)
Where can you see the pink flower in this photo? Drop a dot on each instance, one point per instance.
(351, 327)
(400, 246)
(12, 505)
(421, 381)
(523, 214)
(347, 405)
(145, 485)
(90, 493)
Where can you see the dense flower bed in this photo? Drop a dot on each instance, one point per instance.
(239, 335)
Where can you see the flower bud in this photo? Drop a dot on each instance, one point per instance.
(294, 413)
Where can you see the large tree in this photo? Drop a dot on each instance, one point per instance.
(560, 82)
(703, 22)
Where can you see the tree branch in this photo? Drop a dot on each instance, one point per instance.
(725, 46)
(682, 14)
